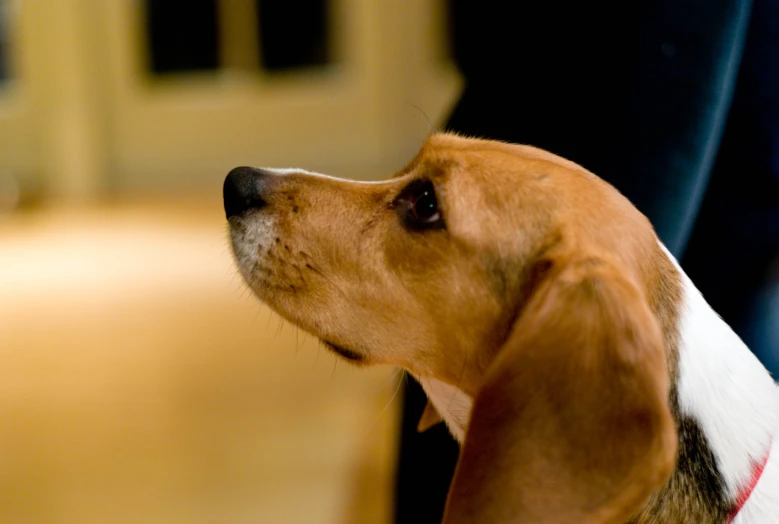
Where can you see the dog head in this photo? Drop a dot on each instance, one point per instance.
(510, 273)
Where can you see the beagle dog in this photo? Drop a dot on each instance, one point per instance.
(586, 378)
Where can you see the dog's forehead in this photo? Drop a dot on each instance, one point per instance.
(445, 150)
(474, 174)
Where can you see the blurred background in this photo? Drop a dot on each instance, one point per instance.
(139, 380)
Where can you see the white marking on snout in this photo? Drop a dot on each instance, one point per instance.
(252, 240)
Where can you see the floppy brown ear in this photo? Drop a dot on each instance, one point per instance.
(572, 423)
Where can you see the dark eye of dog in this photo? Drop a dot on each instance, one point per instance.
(418, 206)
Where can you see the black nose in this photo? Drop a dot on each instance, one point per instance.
(242, 190)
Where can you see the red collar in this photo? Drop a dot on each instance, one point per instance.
(747, 489)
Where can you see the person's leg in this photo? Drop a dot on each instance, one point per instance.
(733, 255)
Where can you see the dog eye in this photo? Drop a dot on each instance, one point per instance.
(425, 208)
(419, 206)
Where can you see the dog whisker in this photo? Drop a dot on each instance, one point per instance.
(430, 126)
(318, 351)
(389, 403)
(302, 341)
(257, 312)
(392, 377)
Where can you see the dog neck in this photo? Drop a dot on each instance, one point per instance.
(728, 409)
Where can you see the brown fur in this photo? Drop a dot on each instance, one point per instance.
(547, 299)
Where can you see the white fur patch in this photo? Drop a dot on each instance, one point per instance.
(726, 389)
(252, 240)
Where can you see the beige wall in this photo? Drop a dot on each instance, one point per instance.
(83, 117)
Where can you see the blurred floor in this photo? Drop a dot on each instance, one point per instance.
(140, 382)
